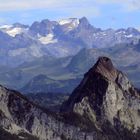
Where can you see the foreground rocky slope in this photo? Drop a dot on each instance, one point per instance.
(22, 119)
(104, 106)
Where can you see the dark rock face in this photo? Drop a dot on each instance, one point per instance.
(94, 82)
(88, 89)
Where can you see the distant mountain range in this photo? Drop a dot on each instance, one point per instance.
(20, 43)
(62, 51)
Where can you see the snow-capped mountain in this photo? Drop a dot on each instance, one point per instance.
(15, 29)
(61, 38)
(69, 24)
(73, 21)
(48, 39)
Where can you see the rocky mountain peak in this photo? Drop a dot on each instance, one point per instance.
(106, 94)
(84, 20)
(105, 67)
(19, 25)
(42, 28)
(84, 23)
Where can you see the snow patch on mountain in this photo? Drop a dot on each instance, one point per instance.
(5, 26)
(129, 36)
(11, 30)
(68, 21)
(47, 39)
(14, 31)
(71, 23)
(121, 32)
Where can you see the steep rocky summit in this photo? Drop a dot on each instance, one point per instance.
(106, 95)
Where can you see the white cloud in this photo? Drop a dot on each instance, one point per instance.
(37, 4)
(26, 4)
(75, 8)
(126, 5)
(133, 5)
(89, 12)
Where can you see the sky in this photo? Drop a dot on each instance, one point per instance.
(100, 13)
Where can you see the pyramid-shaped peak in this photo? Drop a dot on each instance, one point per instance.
(105, 62)
(105, 67)
(84, 21)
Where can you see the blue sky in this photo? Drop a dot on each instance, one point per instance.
(100, 13)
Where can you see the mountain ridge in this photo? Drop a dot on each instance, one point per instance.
(101, 102)
(51, 38)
